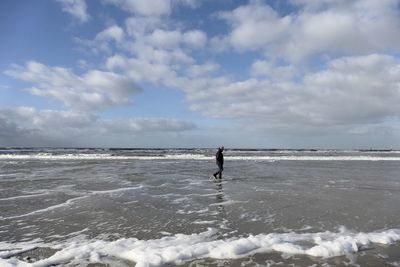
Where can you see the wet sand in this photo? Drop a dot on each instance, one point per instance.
(59, 201)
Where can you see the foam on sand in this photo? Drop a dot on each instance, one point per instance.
(182, 248)
(24, 196)
(70, 202)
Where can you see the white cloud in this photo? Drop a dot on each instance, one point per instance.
(195, 38)
(150, 41)
(139, 26)
(76, 8)
(145, 8)
(164, 39)
(29, 126)
(135, 125)
(350, 91)
(219, 43)
(357, 89)
(51, 120)
(93, 90)
(267, 69)
(8, 128)
(61, 121)
(317, 27)
(142, 70)
(188, 3)
(112, 33)
(103, 40)
(154, 8)
(279, 92)
(169, 39)
(255, 26)
(202, 70)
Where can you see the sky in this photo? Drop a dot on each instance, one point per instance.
(200, 73)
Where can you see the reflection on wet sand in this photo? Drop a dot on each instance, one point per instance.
(219, 199)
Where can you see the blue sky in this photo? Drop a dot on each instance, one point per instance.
(192, 73)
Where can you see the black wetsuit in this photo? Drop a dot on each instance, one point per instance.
(220, 163)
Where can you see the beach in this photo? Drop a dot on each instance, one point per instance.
(159, 207)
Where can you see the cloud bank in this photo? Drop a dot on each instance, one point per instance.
(27, 125)
(93, 90)
(315, 28)
(316, 68)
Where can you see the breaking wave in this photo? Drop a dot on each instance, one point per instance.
(81, 156)
(182, 248)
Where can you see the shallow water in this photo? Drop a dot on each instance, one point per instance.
(271, 208)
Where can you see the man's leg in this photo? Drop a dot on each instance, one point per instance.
(220, 171)
(215, 175)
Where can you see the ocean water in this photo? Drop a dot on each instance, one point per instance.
(159, 207)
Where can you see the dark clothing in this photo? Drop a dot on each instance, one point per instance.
(220, 163)
(220, 168)
(219, 157)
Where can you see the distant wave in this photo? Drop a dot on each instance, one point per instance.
(90, 156)
(182, 248)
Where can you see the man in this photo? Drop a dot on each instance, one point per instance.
(220, 162)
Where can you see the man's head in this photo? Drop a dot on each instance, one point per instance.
(222, 148)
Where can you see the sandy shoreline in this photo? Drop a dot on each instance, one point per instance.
(267, 213)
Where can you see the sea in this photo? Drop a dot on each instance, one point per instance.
(162, 207)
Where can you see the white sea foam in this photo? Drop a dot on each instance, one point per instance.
(203, 222)
(81, 156)
(50, 208)
(71, 201)
(182, 248)
(226, 203)
(24, 196)
(117, 190)
(192, 211)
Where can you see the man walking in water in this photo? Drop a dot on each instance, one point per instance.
(220, 162)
